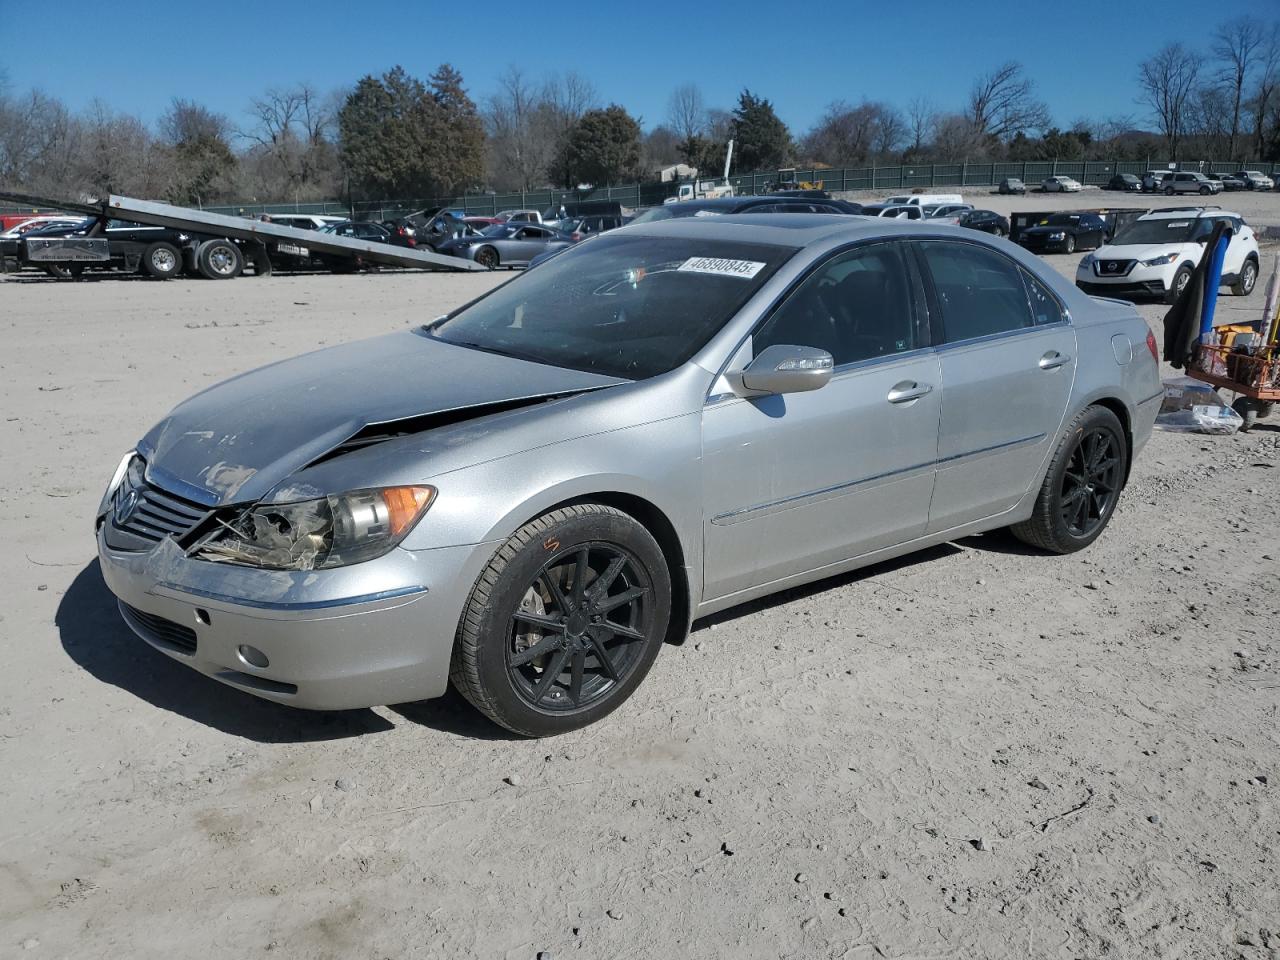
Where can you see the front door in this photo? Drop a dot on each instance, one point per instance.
(1008, 363)
(793, 483)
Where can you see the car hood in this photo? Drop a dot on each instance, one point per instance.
(237, 440)
(1041, 231)
(1145, 251)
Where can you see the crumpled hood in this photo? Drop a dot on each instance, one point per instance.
(237, 440)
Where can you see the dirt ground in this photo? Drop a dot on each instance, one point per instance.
(976, 752)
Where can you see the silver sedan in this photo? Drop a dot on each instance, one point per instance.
(528, 496)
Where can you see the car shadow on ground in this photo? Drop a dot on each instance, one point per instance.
(863, 574)
(94, 636)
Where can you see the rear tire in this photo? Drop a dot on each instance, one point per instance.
(162, 260)
(1168, 191)
(1082, 485)
(63, 272)
(1250, 410)
(597, 643)
(1248, 279)
(219, 260)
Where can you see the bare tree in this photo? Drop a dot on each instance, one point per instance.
(1003, 103)
(921, 120)
(1167, 81)
(848, 134)
(292, 133)
(518, 155)
(957, 137)
(1265, 90)
(1236, 46)
(686, 112)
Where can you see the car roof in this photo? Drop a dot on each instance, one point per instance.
(1185, 213)
(793, 230)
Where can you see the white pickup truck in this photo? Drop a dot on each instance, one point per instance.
(701, 190)
(923, 199)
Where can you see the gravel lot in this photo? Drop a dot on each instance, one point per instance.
(973, 752)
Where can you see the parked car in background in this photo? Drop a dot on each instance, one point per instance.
(532, 495)
(895, 211)
(1231, 182)
(1186, 181)
(1127, 182)
(768, 203)
(1065, 233)
(306, 221)
(360, 230)
(1153, 181)
(1155, 255)
(936, 211)
(579, 228)
(480, 222)
(518, 216)
(988, 221)
(511, 244)
(1060, 184)
(1256, 179)
(1012, 185)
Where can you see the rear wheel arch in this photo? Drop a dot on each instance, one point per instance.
(1118, 407)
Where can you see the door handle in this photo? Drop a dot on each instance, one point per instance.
(908, 390)
(1053, 360)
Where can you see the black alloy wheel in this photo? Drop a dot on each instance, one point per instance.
(1090, 483)
(564, 622)
(1080, 489)
(580, 628)
(487, 257)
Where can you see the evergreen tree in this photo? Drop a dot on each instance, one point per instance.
(602, 149)
(761, 140)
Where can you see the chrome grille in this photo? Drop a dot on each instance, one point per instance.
(147, 512)
(1113, 268)
(161, 630)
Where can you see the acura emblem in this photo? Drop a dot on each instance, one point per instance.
(126, 504)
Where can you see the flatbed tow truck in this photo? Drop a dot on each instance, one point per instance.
(217, 245)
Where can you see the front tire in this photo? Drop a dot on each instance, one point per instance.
(1179, 283)
(487, 257)
(1070, 245)
(565, 621)
(1083, 483)
(1168, 191)
(1248, 279)
(162, 260)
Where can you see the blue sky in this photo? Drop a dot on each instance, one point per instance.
(1080, 54)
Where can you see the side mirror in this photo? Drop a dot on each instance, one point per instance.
(783, 368)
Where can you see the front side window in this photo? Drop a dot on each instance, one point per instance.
(979, 291)
(857, 306)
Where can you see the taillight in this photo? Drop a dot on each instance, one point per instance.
(411, 241)
(575, 236)
(1151, 345)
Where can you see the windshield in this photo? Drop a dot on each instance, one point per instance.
(686, 209)
(1155, 231)
(1061, 220)
(624, 306)
(501, 229)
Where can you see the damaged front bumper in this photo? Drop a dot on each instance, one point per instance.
(369, 634)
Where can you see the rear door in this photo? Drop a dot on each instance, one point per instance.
(1008, 362)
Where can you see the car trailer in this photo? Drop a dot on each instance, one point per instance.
(1116, 218)
(214, 256)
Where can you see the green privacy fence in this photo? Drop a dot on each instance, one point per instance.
(888, 178)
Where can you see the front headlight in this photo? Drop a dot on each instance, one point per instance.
(125, 462)
(331, 531)
(1058, 236)
(1087, 261)
(1161, 260)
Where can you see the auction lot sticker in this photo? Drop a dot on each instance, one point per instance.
(746, 269)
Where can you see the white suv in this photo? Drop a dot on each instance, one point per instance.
(1154, 255)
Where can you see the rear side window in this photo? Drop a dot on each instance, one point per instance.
(1045, 308)
(979, 291)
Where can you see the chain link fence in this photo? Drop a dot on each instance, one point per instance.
(836, 180)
